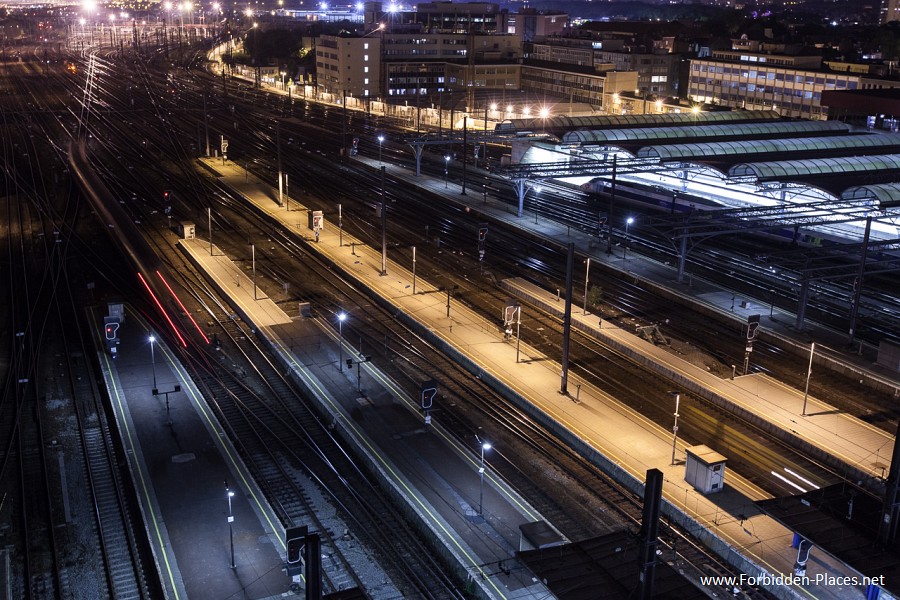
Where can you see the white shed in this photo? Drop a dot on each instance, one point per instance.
(705, 469)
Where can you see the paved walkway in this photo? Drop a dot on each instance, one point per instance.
(612, 432)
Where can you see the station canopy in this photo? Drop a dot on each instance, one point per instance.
(887, 195)
(733, 159)
(748, 148)
(567, 123)
(731, 130)
(805, 169)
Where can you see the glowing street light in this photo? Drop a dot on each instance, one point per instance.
(446, 169)
(341, 318)
(380, 142)
(628, 222)
(484, 446)
(152, 339)
(230, 522)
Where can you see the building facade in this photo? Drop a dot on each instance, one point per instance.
(657, 71)
(529, 24)
(791, 85)
(349, 65)
(574, 85)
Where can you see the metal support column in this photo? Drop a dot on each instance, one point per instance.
(682, 259)
(417, 152)
(857, 288)
(313, 559)
(801, 302)
(649, 533)
(519, 185)
(887, 529)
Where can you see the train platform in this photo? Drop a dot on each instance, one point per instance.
(611, 433)
(477, 523)
(850, 446)
(181, 461)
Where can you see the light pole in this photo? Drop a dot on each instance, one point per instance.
(153, 361)
(341, 317)
(675, 426)
(484, 446)
(812, 351)
(380, 142)
(230, 495)
(446, 169)
(628, 222)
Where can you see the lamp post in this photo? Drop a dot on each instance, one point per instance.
(446, 169)
(341, 317)
(628, 222)
(230, 495)
(675, 426)
(484, 446)
(380, 142)
(812, 351)
(153, 361)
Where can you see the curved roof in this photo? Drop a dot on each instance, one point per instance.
(702, 131)
(816, 166)
(745, 147)
(884, 193)
(566, 123)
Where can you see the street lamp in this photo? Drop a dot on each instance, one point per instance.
(446, 169)
(380, 142)
(153, 361)
(628, 222)
(230, 522)
(675, 426)
(341, 317)
(484, 446)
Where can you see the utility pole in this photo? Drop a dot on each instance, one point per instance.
(280, 177)
(465, 150)
(383, 226)
(567, 319)
(612, 205)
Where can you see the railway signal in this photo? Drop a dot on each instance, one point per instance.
(482, 236)
(752, 327)
(111, 329)
(429, 391)
(296, 540)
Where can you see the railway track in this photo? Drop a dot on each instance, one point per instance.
(476, 408)
(73, 541)
(373, 339)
